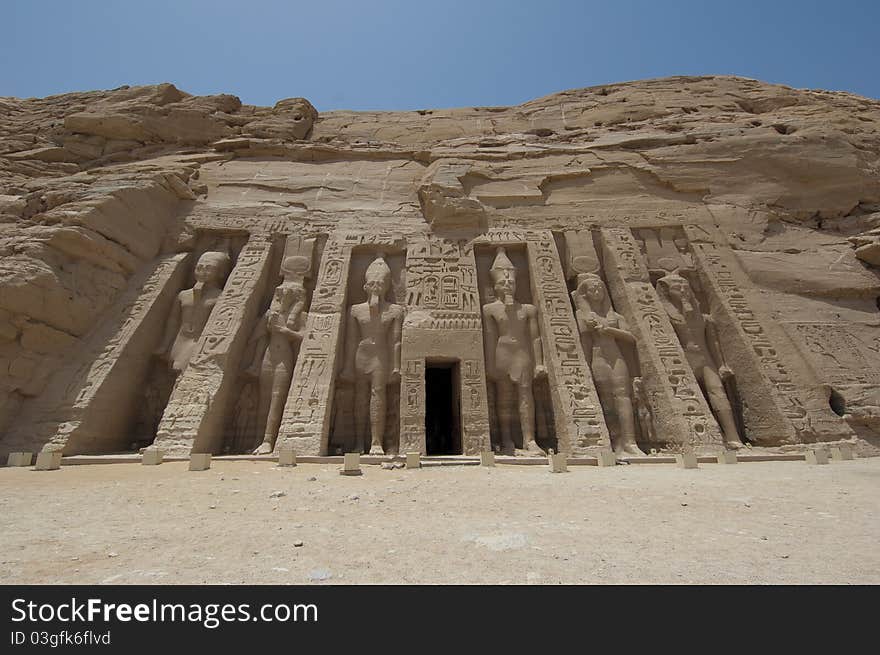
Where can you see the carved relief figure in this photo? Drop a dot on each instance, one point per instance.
(278, 334)
(699, 338)
(514, 355)
(192, 308)
(604, 334)
(372, 356)
(644, 410)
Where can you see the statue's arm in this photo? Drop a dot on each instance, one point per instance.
(491, 338)
(351, 339)
(535, 334)
(396, 335)
(172, 325)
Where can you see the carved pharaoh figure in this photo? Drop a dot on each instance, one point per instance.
(278, 336)
(514, 356)
(699, 339)
(372, 357)
(191, 310)
(604, 336)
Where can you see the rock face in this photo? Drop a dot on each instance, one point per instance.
(685, 264)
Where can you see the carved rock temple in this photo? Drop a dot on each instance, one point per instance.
(674, 265)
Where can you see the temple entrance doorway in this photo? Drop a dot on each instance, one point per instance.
(442, 408)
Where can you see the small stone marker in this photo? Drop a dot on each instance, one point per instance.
(152, 457)
(413, 461)
(727, 457)
(686, 461)
(20, 459)
(558, 463)
(818, 456)
(48, 460)
(841, 453)
(606, 458)
(487, 458)
(199, 461)
(351, 464)
(287, 455)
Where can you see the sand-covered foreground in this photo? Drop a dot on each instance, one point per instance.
(773, 522)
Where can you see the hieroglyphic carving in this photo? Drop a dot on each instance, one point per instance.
(682, 413)
(782, 411)
(197, 407)
(88, 405)
(306, 418)
(444, 324)
(839, 356)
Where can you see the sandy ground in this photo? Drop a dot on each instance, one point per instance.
(774, 522)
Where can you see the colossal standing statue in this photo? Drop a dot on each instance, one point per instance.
(699, 338)
(603, 335)
(191, 310)
(372, 356)
(514, 355)
(278, 336)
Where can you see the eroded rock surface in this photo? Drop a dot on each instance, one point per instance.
(107, 199)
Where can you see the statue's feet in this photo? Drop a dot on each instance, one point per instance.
(264, 448)
(629, 450)
(531, 450)
(734, 445)
(376, 449)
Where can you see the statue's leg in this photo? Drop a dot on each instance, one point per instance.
(623, 403)
(527, 417)
(721, 404)
(361, 414)
(280, 387)
(264, 402)
(504, 406)
(378, 398)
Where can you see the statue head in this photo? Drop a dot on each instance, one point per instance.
(213, 266)
(591, 287)
(288, 293)
(377, 279)
(503, 275)
(674, 285)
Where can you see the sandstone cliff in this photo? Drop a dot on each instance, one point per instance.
(95, 185)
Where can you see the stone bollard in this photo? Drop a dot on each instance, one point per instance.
(727, 457)
(48, 460)
(152, 456)
(686, 461)
(487, 458)
(413, 460)
(606, 458)
(287, 455)
(558, 463)
(351, 464)
(818, 456)
(20, 459)
(841, 453)
(199, 461)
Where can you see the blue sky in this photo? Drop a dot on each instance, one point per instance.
(345, 54)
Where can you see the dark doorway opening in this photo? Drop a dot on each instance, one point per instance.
(442, 409)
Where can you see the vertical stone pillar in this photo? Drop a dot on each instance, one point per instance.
(193, 418)
(681, 412)
(580, 424)
(782, 401)
(89, 404)
(412, 401)
(305, 424)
